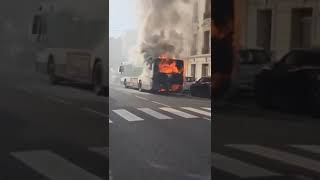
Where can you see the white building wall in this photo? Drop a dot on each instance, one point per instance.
(281, 23)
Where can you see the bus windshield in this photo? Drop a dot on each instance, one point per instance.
(170, 66)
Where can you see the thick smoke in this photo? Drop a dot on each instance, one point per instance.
(166, 29)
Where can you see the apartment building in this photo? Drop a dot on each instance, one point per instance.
(199, 61)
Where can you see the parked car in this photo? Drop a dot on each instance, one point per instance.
(251, 63)
(201, 88)
(293, 82)
(188, 81)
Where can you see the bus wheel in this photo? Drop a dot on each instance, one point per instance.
(125, 83)
(97, 78)
(51, 72)
(140, 86)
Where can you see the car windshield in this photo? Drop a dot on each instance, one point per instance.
(205, 79)
(303, 59)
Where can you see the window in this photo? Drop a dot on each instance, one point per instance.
(301, 28)
(36, 24)
(207, 13)
(264, 23)
(206, 43)
(193, 70)
(205, 70)
(195, 13)
(194, 45)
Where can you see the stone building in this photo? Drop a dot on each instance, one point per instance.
(279, 25)
(198, 64)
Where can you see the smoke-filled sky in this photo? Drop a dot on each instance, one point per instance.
(123, 16)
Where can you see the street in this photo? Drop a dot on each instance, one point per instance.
(250, 142)
(51, 132)
(154, 136)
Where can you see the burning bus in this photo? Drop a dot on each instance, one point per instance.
(163, 74)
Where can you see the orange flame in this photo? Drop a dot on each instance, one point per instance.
(167, 65)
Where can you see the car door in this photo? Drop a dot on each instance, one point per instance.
(283, 80)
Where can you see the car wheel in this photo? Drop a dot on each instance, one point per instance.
(315, 99)
(97, 79)
(262, 95)
(140, 86)
(125, 83)
(51, 72)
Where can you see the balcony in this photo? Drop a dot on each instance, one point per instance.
(205, 50)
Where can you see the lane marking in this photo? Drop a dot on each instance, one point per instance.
(209, 119)
(312, 148)
(127, 115)
(154, 113)
(59, 100)
(53, 166)
(160, 103)
(102, 151)
(285, 157)
(142, 98)
(239, 168)
(197, 111)
(206, 108)
(96, 112)
(178, 113)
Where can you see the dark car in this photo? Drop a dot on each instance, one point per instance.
(291, 83)
(201, 88)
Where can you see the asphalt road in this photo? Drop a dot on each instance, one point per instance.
(156, 137)
(254, 143)
(51, 132)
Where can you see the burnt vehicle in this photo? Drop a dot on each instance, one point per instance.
(251, 62)
(202, 87)
(293, 83)
(162, 75)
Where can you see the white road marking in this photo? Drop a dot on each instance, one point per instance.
(160, 103)
(239, 168)
(53, 166)
(59, 100)
(178, 113)
(96, 112)
(127, 115)
(311, 148)
(142, 98)
(278, 155)
(206, 108)
(102, 151)
(197, 111)
(154, 113)
(209, 119)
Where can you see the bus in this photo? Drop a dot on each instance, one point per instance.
(162, 75)
(70, 41)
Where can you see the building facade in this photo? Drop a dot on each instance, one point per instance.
(199, 61)
(279, 25)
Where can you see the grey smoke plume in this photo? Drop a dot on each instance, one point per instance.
(166, 28)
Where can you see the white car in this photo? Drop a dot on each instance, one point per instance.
(187, 83)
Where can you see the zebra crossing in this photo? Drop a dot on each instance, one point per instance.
(163, 113)
(301, 157)
(56, 167)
